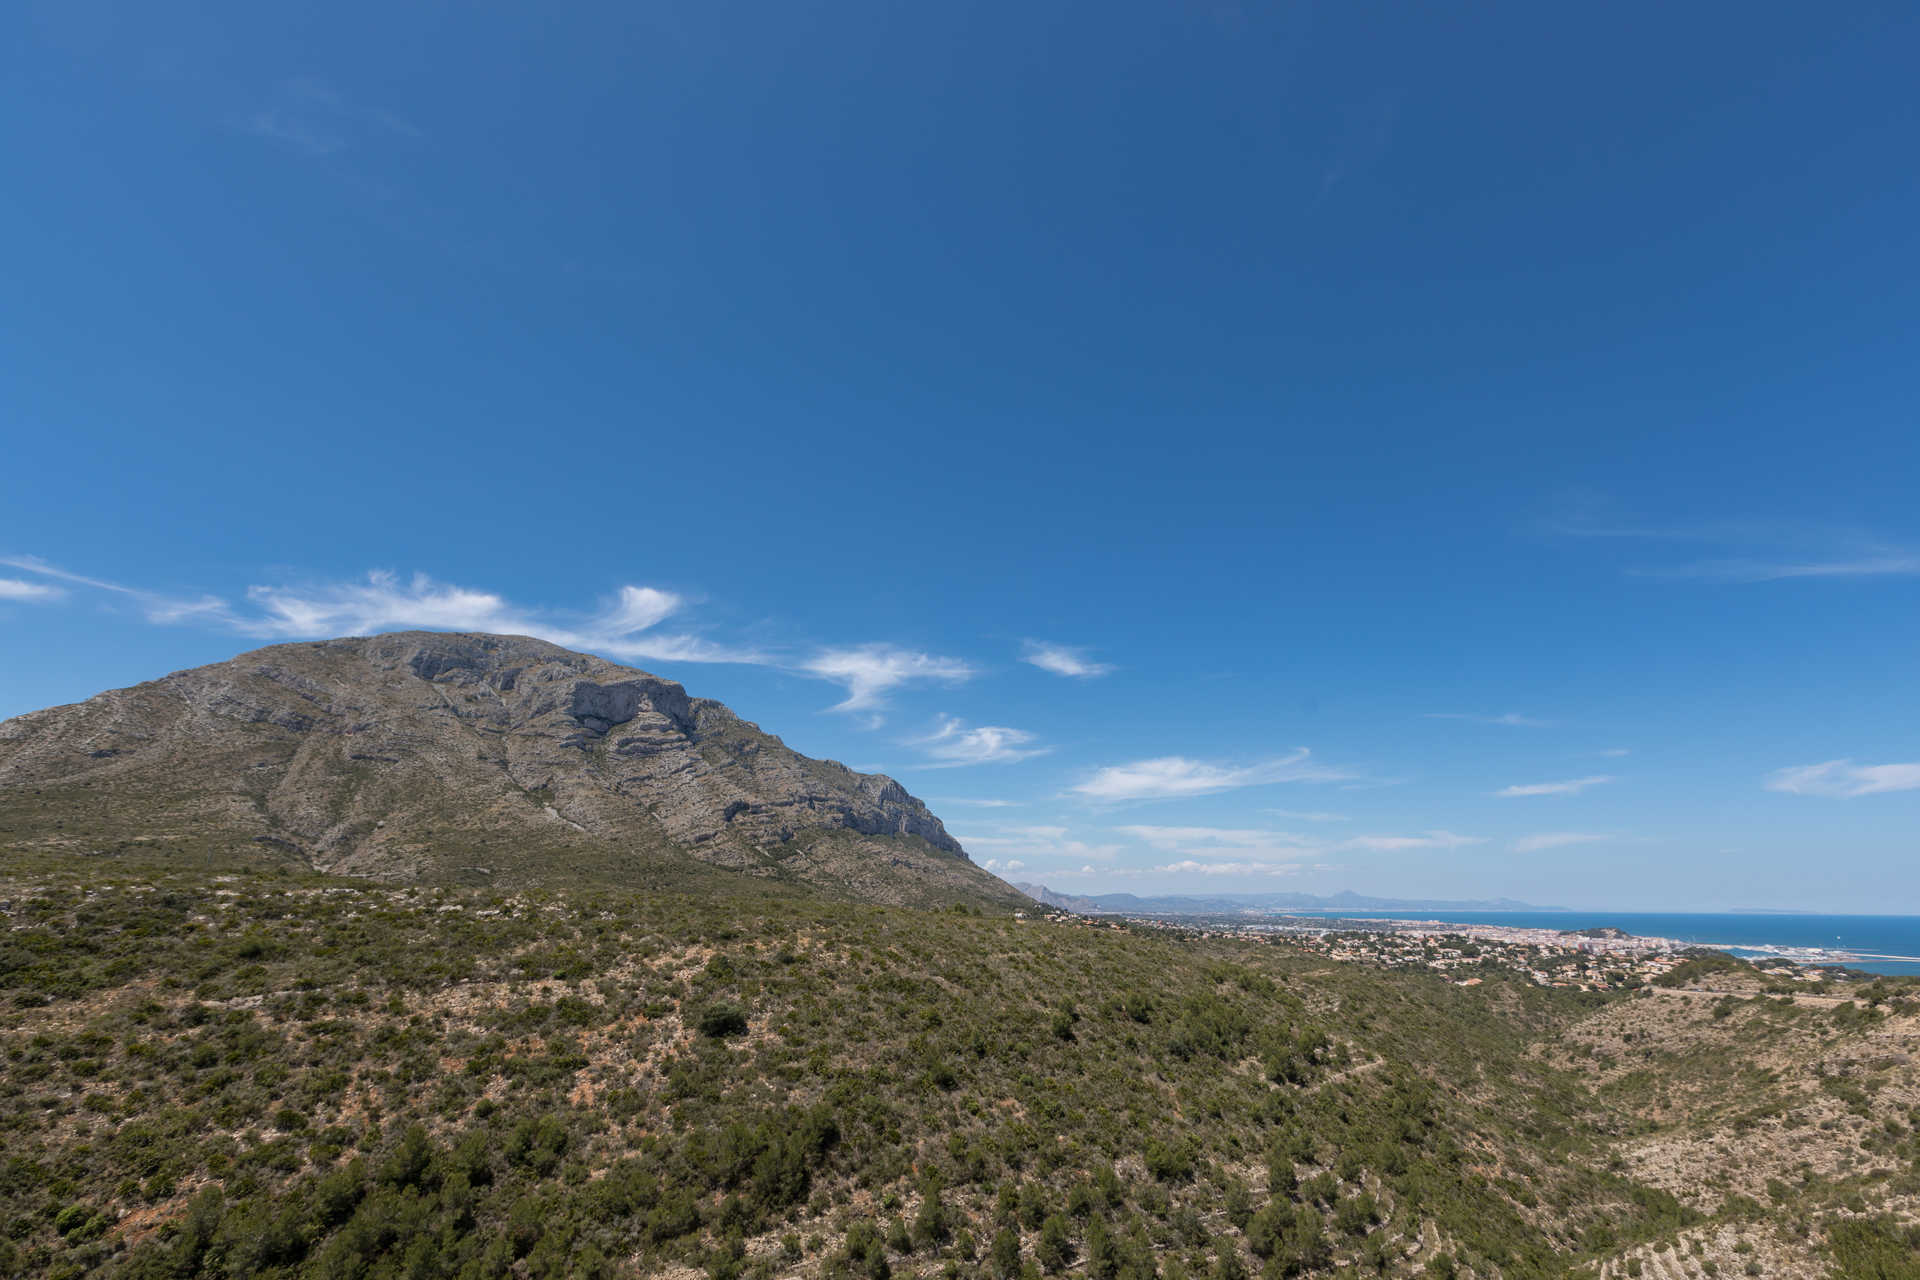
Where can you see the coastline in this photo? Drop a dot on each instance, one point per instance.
(1888, 945)
(1635, 944)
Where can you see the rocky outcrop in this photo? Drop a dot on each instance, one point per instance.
(418, 753)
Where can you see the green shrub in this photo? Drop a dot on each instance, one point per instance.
(1055, 1247)
(1169, 1161)
(1874, 1249)
(1004, 1257)
(722, 1019)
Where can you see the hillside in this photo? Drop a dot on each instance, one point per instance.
(1788, 1120)
(486, 759)
(275, 1075)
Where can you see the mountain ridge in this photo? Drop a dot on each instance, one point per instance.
(434, 755)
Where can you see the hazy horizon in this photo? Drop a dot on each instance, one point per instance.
(1522, 907)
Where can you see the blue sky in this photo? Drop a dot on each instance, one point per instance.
(1197, 446)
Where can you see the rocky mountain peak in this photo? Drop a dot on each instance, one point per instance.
(424, 753)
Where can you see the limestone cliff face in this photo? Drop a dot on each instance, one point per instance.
(420, 754)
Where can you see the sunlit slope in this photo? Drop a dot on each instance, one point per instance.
(483, 759)
(277, 1075)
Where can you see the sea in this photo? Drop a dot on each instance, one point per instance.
(1884, 944)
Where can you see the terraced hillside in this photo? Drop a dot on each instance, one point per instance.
(1785, 1120)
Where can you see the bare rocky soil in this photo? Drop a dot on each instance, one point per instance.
(1780, 1113)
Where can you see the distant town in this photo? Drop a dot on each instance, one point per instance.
(1601, 959)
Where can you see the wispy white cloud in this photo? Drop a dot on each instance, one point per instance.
(1568, 787)
(1512, 719)
(1005, 840)
(1190, 866)
(627, 627)
(954, 745)
(29, 592)
(1221, 837)
(870, 672)
(1843, 779)
(1009, 834)
(1271, 850)
(1084, 870)
(1401, 844)
(276, 124)
(309, 115)
(1759, 550)
(1011, 864)
(155, 606)
(1557, 840)
(1064, 660)
(623, 629)
(637, 609)
(382, 602)
(973, 803)
(322, 95)
(1751, 570)
(1171, 777)
(1309, 815)
(1229, 845)
(1616, 752)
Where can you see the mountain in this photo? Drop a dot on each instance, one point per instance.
(479, 758)
(1175, 904)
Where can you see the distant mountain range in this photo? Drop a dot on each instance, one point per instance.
(1175, 904)
(484, 759)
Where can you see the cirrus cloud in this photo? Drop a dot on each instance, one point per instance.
(1064, 660)
(1217, 844)
(1568, 787)
(954, 745)
(1226, 837)
(628, 627)
(869, 672)
(311, 116)
(1225, 845)
(1037, 841)
(1190, 866)
(1843, 779)
(623, 629)
(1401, 844)
(156, 606)
(28, 592)
(1557, 840)
(1173, 777)
(1751, 551)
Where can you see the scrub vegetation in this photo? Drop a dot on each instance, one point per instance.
(268, 1073)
